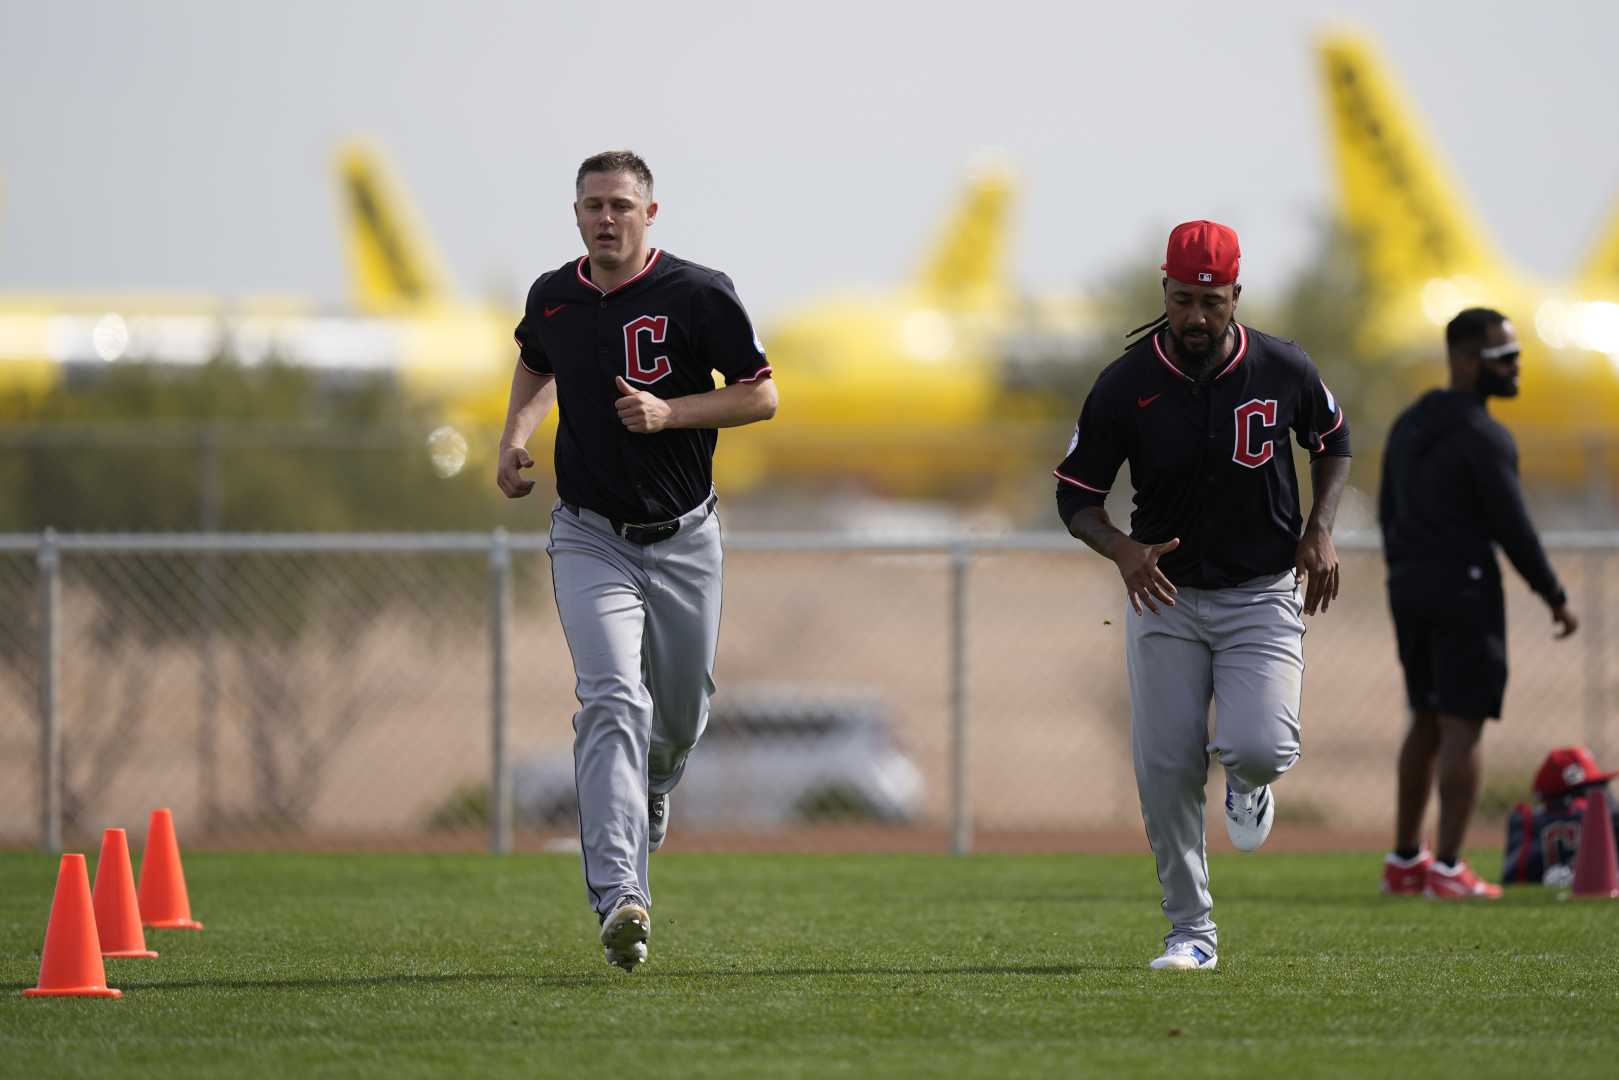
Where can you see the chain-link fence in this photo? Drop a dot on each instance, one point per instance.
(416, 689)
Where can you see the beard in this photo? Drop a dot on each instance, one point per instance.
(1202, 355)
(1491, 384)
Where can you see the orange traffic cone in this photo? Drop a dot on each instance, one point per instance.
(1596, 867)
(118, 916)
(163, 900)
(71, 964)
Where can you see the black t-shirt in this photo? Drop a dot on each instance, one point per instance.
(666, 331)
(1209, 458)
(1450, 489)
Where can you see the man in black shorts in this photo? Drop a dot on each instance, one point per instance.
(1450, 493)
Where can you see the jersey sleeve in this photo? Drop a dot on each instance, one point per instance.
(529, 350)
(726, 340)
(1319, 422)
(1095, 453)
(1495, 465)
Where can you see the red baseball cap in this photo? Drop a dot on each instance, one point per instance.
(1203, 253)
(1567, 768)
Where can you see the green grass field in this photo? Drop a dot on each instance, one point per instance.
(784, 965)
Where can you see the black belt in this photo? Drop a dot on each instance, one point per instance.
(643, 533)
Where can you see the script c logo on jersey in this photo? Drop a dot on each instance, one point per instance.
(656, 327)
(1247, 412)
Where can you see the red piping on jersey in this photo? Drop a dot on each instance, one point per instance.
(1078, 483)
(1242, 350)
(757, 375)
(579, 271)
(1159, 349)
(1321, 441)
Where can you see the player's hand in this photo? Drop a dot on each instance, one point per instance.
(1317, 563)
(512, 483)
(1138, 566)
(641, 412)
(1566, 622)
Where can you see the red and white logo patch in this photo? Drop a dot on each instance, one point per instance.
(635, 370)
(1253, 450)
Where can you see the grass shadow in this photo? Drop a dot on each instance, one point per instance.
(973, 969)
(473, 978)
(336, 983)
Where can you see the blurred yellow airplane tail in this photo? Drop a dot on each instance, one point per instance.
(394, 265)
(1398, 201)
(967, 267)
(1600, 274)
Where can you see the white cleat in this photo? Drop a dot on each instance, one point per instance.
(657, 820)
(1186, 956)
(1248, 818)
(624, 933)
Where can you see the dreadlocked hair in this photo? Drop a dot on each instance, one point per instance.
(1149, 328)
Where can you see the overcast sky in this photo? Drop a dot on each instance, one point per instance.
(803, 147)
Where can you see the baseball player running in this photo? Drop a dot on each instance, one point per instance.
(1450, 493)
(1200, 407)
(626, 339)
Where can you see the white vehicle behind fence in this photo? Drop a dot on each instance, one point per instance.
(770, 756)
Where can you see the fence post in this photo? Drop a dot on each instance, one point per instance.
(209, 502)
(960, 803)
(500, 618)
(50, 732)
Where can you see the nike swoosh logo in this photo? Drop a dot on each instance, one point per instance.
(1143, 402)
(550, 311)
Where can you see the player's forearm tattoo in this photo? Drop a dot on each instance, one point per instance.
(1327, 478)
(1091, 525)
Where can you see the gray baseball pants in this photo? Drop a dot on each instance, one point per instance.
(642, 623)
(1242, 649)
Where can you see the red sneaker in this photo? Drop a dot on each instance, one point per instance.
(1405, 877)
(1457, 883)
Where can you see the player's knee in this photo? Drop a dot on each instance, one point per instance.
(1259, 762)
(672, 741)
(680, 714)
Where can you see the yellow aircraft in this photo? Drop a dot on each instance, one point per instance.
(404, 320)
(920, 391)
(929, 388)
(1427, 259)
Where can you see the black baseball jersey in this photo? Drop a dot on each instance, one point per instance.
(666, 331)
(1209, 458)
(1450, 491)
(1548, 834)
